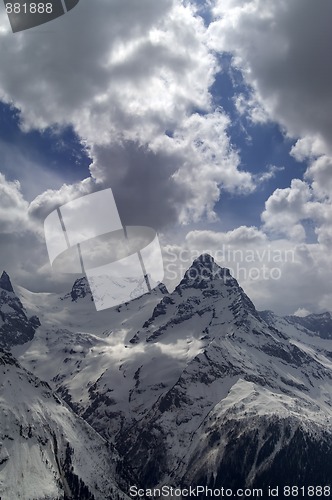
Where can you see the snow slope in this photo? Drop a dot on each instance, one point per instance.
(44, 445)
(187, 384)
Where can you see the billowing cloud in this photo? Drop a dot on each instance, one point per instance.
(21, 240)
(242, 235)
(51, 199)
(286, 208)
(135, 85)
(320, 174)
(13, 208)
(283, 49)
(279, 274)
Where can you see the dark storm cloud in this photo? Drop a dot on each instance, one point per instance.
(142, 183)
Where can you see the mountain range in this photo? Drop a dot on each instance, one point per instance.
(185, 388)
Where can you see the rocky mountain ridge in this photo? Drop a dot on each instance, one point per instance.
(15, 326)
(187, 384)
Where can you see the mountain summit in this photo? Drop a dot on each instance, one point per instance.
(194, 387)
(208, 295)
(203, 270)
(5, 283)
(79, 290)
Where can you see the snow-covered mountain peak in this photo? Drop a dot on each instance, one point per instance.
(205, 260)
(80, 289)
(208, 296)
(5, 283)
(183, 383)
(202, 271)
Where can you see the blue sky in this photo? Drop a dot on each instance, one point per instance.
(213, 125)
(59, 152)
(260, 145)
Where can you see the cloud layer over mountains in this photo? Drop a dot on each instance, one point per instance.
(134, 80)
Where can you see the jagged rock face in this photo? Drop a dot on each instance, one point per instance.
(237, 384)
(208, 391)
(5, 283)
(246, 386)
(256, 452)
(255, 456)
(312, 324)
(79, 290)
(206, 291)
(320, 324)
(15, 326)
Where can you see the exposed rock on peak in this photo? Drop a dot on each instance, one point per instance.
(204, 258)
(206, 262)
(79, 290)
(15, 326)
(213, 383)
(5, 282)
(202, 271)
(162, 288)
(206, 290)
(320, 324)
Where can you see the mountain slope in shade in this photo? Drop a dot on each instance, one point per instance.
(15, 326)
(317, 325)
(250, 397)
(194, 386)
(46, 451)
